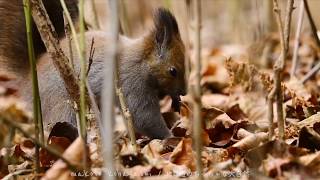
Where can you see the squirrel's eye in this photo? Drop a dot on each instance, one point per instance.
(173, 71)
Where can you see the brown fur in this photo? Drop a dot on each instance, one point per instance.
(13, 42)
(143, 72)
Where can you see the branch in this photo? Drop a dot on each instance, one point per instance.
(186, 25)
(50, 39)
(108, 91)
(270, 101)
(83, 80)
(316, 68)
(279, 65)
(312, 72)
(35, 87)
(196, 91)
(287, 26)
(91, 54)
(126, 113)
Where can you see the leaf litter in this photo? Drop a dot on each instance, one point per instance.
(235, 135)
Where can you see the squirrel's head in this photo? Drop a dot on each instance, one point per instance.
(166, 60)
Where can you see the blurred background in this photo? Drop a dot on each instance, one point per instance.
(223, 21)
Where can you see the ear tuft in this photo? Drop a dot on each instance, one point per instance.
(166, 26)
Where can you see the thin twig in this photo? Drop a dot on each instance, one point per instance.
(13, 175)
(297, 40)
(126, 113)
(40, 144)
(72, 28)
(91, 54)
(93, 105)
(279, 101)
(196, 91)
(123, 104)
(279, 64)
(108, 91)
(287, 25)
(39, 134)
(312, 72)
(187, 40)
(50, 38)
(312, 24)
(83, 80)
(316, 68)
(270, 101)
(83, 70)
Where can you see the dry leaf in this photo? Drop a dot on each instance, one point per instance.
(309, 138)
(153, 149)
(183, 154)
(60, 144)
(274, 166)
(251, 141)
(59, 170)
(236, 113)
(181, 127)
(215, 100)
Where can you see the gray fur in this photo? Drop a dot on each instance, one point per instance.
(142, 100)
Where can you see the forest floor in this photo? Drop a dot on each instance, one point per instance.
(235, 81)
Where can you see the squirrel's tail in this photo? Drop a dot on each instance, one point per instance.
(13, 41)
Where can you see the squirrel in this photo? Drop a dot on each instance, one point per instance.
(150, 67)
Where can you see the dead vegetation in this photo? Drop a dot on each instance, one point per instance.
(238, 134)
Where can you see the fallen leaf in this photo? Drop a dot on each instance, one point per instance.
(153, 149)
(222, 128)
(183, 154)
(60, 170)
(235, 113)
(215, 100)
(308, 138)
(60, 144)
(181, 127)
(274, 167)
(276, 149)
(251, 141)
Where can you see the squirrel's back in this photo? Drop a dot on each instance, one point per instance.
(56, 104)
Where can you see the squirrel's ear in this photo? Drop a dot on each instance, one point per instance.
(166, 27)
